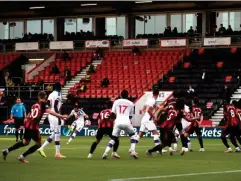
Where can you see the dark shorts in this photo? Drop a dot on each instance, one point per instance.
(167, 136)
(191, 129)
(235, 131)
(32, 134)
(103, 131)
(18, 122)
(179, 127)
(232, 130)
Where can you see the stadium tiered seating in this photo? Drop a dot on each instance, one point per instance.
(6, 59)
(126, 71)
(221, 67)
(78, 60)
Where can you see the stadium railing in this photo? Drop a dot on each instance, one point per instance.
(195, 41)
(22, 91)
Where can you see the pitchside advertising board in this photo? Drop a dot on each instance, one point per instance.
(8, 129)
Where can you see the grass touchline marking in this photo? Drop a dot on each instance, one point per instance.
(176, 175)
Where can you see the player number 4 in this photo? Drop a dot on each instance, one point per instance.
(122, 109)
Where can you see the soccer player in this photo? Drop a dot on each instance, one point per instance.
(122, 109)
(238, 114)
(32, 128)
(55, 103)
(231, 127)
(179, 126)
(105, 127)
(167, 127)
(149, 120)
(194, 126)
(79, 122)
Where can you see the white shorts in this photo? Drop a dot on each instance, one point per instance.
(79, 125)
(127, 127)
(147, 126)
(55, 123)
(185, 124)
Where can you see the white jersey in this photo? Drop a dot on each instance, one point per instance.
(123, 109)
(55, 97)
(185, 123)
(151, 102)
(79, 115)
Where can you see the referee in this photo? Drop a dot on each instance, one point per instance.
(18, 113)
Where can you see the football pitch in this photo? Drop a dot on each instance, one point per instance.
(211, 165)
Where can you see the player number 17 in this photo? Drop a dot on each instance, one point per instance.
(122, 109)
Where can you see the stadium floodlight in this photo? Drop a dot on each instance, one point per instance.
(92, 4)
(37, 7)
(139, 2)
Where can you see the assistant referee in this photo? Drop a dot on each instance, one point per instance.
(18, 113)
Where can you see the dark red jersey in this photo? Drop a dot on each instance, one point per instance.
(238, 114)
(171, 104)
(103, 121)
(197, 113)
(230, 115)
(173, 117)
(36, 114)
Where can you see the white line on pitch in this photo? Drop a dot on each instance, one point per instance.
(177, 175)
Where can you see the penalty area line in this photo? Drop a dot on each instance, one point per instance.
(176, 175)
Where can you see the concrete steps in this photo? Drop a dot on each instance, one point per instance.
(77, 78)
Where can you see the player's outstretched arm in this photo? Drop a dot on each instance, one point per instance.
(56, 114)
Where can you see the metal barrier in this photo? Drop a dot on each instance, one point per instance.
(5, 110)
(22, 91)
(194, 41)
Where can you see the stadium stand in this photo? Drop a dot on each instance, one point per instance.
(6, 59)
(207, 71)
(134, 73)
(77, 61)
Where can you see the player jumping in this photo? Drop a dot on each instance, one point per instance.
(79, 122)
(167, 135)
(32, 128)
(123, 110)
(149, 121)
(105, 127)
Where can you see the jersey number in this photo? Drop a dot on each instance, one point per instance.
(197, 114)
(170, 116)
(104, 116)
(232, 113)
(34, 113)
(122, 109)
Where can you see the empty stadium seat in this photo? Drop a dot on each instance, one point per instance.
(78, 61)
(126, 71)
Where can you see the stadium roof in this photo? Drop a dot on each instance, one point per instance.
(14, 9)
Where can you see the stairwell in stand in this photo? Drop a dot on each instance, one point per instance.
(77, 78)
(218, 116)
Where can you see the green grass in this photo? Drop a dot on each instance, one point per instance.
(76, 167)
